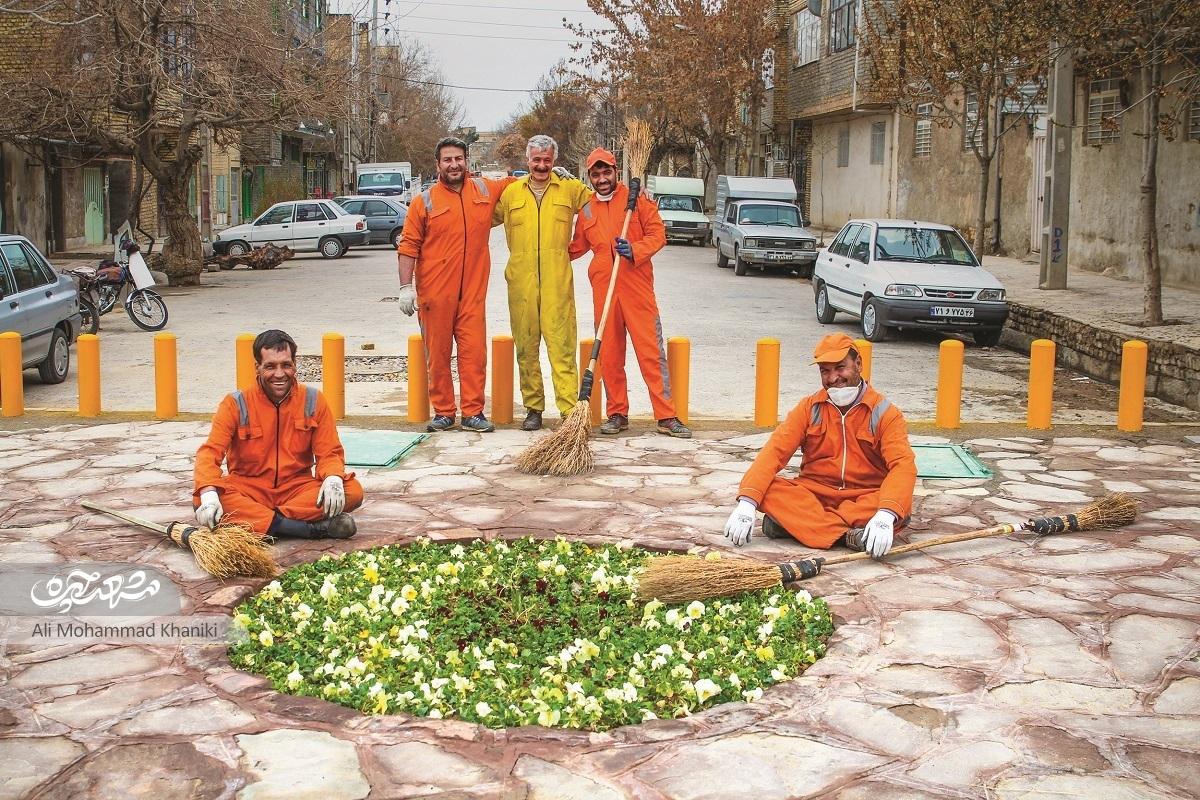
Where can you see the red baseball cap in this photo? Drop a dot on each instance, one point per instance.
(832, 348)
(601, 156)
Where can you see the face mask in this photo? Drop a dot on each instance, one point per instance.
(844, 395)
(604, 197)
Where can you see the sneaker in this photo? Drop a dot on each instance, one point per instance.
(478, 423)
(614, 424)
(773, 530)
(440, 423)
(340, 527)
(673, 427)
(533, 421)
(855, 539)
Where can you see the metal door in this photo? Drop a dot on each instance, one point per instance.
(1037, 189)
(93, 205)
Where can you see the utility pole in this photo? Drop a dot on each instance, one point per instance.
(373, 82)
(1056, 212)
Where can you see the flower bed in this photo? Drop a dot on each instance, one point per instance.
(517, 633)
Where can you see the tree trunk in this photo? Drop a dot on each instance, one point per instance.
(985, 176)
(1148, 201)
(183, 257)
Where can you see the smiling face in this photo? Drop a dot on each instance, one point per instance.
(603, 177)
(276, 373)
(540, 164)
(452, 166)
(839, 374)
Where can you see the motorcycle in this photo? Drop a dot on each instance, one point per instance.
(87, 285)
(143, 305)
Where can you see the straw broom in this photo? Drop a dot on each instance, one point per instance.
(638, 140)
(226, 551)
(565, 452)
(681, 579)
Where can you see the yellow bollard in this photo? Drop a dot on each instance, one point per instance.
(597, 398)
(949, 391)
(244, 348)
(1041, 384)
(766, 383)
(502, 379)
(418, 380)
(166, 376)
(679, 357)
(1131, 404)
(12, 382)
(333, 372)
(864, 349)
(88, 353)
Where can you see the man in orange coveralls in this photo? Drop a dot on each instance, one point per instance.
(858, 473)
(634, 311)
(445, 243)
(270, 434)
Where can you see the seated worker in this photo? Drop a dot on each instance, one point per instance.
(858, 472)
(270, 435)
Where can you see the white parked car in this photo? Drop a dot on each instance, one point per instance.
(303, 225)
(894, 273)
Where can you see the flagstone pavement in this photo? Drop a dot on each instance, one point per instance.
(1007, 668)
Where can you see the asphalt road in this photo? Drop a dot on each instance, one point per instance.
(722, 314)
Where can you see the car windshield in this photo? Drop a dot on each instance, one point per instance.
(375, 180)
(788, 216)
(674, 202)
(923, 246)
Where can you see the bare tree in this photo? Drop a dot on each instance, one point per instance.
(146, 79)
(418, 110)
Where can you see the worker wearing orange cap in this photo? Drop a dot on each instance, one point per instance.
(445, 247)
(634, 310)
(858, 473)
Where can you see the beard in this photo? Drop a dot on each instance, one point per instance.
(445, 176)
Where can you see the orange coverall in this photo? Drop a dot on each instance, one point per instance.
(271, 460)
(447, 232)
(634, 310)
(853, 466)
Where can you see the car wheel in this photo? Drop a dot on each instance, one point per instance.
(58, 361)
(873, 330)
(397, 235)
(237, 249)
(331, 247)
(722, 259)
(989, 337)
(825, 312)
(739, 266)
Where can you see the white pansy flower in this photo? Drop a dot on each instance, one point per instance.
(328, 589)
(695, 609)
(549, 718)
(750, 695)
(706, 688)
(803, 596)
(483, 709)
(294, 679)
(265, 638)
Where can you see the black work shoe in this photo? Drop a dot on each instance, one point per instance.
(478, 423)
(533, 421)
(340, 527)
(673, 427)
(614, 424)
(773, 530)
(440, 423)
(855, 539)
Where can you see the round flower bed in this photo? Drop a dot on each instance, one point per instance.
(518, 633)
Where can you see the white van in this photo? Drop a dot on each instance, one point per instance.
(680, 203)
(388, 178)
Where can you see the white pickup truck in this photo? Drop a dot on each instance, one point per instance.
(758, 224)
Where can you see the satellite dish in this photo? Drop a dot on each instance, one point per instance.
(814, 7)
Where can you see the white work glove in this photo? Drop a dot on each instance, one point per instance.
(563, 173)
(408, 299)
(210, 512)
(741, 523)
(878, 534)
(332, 497)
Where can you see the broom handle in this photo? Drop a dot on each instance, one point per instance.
(112, 512)
(998, 530)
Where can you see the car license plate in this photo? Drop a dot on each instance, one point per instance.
(779, 256)
(951, 311)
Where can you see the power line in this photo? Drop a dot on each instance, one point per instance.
(481, 36)
(495, 24)
(474, 88)
(504, 8)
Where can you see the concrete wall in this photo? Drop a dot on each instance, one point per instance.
(73, 207)
(25, 205)
(1105, 185)
(860, 189)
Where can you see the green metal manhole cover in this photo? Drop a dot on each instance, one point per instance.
(948, 461)
(367, 448)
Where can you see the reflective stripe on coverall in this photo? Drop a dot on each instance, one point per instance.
(270, 459)
(541, 290)
(634, 309)
(447, 233)
(853, 466)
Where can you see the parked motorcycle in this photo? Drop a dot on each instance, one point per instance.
(143, 305)
(87, 284)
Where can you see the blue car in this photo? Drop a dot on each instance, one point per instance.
(41, 305)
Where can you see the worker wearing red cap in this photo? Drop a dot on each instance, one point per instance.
(634, 310)
(858, 473)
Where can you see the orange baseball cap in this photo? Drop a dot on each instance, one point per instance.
(832, 348)
(600, 156)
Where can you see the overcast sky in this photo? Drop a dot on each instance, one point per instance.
(492, 44)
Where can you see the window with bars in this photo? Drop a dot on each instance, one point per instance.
(843, 18)
(972, 125)
(808, 37)
(878, 134)
(1104, 101)
(1193, 127)
(923, 133)
(843, 145)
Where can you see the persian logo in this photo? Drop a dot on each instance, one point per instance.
(87, 588)
(81, 588)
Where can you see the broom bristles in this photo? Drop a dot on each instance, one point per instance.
(1111, 511)
(677, 579)
(229, 551)
(564, 452)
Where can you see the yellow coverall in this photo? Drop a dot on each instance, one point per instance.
(541, 292)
